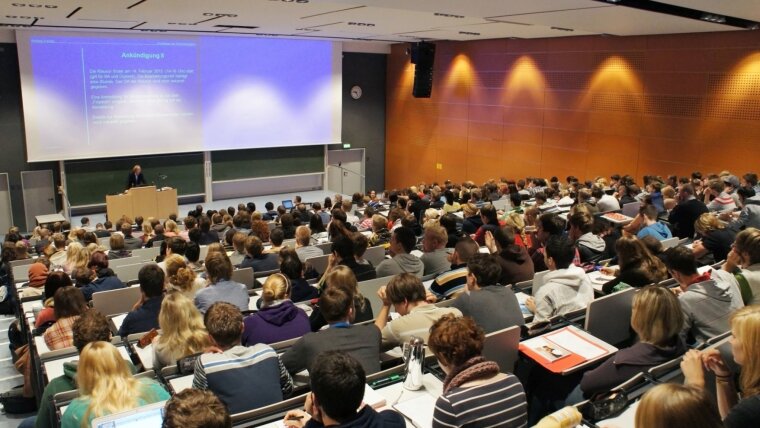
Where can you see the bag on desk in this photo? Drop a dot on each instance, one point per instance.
(604, 406)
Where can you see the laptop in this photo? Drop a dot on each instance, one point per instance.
(288, 204)
(150, 416)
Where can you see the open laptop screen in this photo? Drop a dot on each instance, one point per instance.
(288, 204)
(150, 416)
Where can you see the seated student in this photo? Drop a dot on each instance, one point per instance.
(604, 202)
(193, 408)
(182, 331)
(744, 261)
(657, 320)
(130, 242)
(402, 243)
(293, 269)
(380, 233)
(688, 210)
(208, 235)
(360, 341)
(344, 254)
(341, 276)
(173, 245)
(244, 378)
(566, 288)
(737, 411)
(275, 241)
(270, 214)
(256, 258)
(91, 326)
(304, 249)
(144, 315)
(221, 288)
(591, 247)
(106, 386)
(435, 257)
(158, 236)
(516, 264)
(637, 266)
(490, 223)
(475, 393)
(407, 295)
(547, 225)
(453, 282)
(117, 251)
(713, 237)
(707, 300)
(278, 319)
(287, 226)
(472, 219)
(749, 216)
(716, 198)
(337, 389)
(69, 304)
(181, 277)
(650, 226)
(105, 277)
(491, 305)
(673, 405)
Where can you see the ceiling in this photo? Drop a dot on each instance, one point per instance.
(371, 20)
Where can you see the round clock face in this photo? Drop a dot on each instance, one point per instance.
(356, 92)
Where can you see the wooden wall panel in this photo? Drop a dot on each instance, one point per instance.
(583, 106)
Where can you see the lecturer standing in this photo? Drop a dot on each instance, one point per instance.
(135, 177)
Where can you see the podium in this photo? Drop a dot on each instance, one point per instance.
(142, 201)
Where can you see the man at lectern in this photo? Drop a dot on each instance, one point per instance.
(135, 177)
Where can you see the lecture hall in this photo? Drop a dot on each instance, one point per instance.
(363, 213)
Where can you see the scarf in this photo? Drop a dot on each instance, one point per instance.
(472, 369)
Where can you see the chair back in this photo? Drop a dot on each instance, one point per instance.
(669, 243)
(369, 289)
(501, 347)
(319, 263)
(243, 276)
(609, 317)
(375, 255)
(117, 301)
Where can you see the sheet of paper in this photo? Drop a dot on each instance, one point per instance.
(118, 320)
(416, 253)
(372, 398)
(146, 356)
(419, 409)
(181, 383)
(575, 344)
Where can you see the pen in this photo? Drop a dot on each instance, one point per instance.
(294, 418)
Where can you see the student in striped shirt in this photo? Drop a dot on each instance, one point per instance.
(475, 393)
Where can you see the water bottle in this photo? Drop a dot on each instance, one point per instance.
(415, 357)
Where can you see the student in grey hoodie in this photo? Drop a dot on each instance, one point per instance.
(402, 243)
(566, 288)
(749, 216)
(707, 300)
(591, 247)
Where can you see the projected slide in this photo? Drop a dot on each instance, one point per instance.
(104, 96)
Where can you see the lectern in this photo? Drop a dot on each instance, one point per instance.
(142, 201)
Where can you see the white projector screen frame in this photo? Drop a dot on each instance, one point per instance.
(93, 95)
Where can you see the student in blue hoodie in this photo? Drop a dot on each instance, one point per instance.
(650, 225)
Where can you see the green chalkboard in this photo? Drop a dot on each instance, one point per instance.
(89, 181)
(253, 163)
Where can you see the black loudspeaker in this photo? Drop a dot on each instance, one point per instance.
(423, 56)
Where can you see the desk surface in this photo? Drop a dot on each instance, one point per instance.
(395, 394)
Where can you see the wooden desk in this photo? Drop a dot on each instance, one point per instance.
(142, 201)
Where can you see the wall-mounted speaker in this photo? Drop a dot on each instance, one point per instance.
(423, 56)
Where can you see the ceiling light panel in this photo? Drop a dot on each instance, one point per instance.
(471, 8)
(620, 21)
(746, 9)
